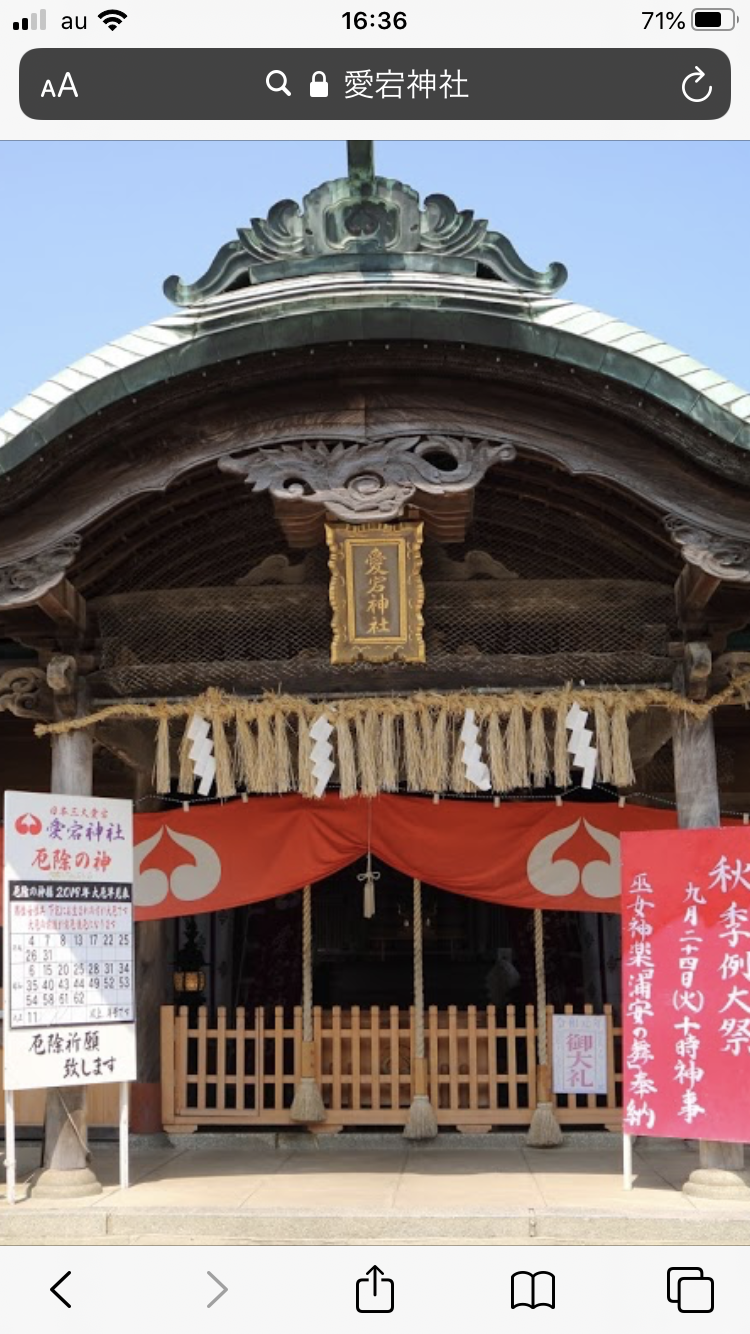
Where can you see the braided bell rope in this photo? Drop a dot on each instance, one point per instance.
(418, 974)
(307, 977)
(541, 988)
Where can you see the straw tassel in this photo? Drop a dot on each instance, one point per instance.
(518, 769)
(245, 754)
(265, 770)
(622, 764)
(413, 754)
(424, 727)
(388, 753)
(439, 759)
(347, 759)
(538, 748)
(544, 1131)
(562, 758)
(496, 754)
(162, 765)
(186, 777)
(367, 745)
(224, 777)
(421, 1123)
(603, 741)
(304, 757)
(284, 776)
(308, 1102)
(459, 781)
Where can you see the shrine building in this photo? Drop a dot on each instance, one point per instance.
(377, 513)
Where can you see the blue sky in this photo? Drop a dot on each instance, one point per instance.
(656, 234)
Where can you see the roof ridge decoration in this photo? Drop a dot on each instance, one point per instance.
(368, 483)
(368, 223)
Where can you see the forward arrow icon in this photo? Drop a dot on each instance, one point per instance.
(219, 1296)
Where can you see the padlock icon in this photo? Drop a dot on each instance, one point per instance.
(318, 84)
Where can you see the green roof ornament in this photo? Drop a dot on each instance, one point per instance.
(360, 154)
(368, 224)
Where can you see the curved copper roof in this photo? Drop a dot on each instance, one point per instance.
(315, 308)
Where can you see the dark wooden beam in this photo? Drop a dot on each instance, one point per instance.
(728, 666)
(313, 676)
(649, 733)
(696, 670)
(64, 606)
(693, 592)
(52, 619)
(129, 743)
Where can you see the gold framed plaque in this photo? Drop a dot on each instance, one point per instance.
(376, 592)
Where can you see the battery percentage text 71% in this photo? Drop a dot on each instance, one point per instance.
(662, 20)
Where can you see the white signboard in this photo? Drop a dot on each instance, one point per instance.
(68, 941)
(579, 1053)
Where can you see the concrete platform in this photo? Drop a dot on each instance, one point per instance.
(296, 1190)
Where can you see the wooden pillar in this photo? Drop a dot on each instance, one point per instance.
(152, 990)
(66, 1172)
(720, 1175)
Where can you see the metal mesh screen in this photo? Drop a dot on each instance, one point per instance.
(479, 632)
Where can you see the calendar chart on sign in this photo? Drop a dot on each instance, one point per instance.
(71, 954)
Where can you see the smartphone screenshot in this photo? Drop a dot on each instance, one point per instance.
(374, 665)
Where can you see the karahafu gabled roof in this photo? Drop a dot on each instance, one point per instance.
(360, 259)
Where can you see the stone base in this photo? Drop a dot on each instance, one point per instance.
(73, 1185)
(716, 1183)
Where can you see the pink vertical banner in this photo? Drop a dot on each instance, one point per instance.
(686, 983)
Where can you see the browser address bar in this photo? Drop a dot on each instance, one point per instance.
(333, 84)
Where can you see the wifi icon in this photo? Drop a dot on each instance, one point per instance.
(113, 18)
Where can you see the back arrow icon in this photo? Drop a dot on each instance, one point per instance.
(221, 1294)
(697, 74)
(59, 1295)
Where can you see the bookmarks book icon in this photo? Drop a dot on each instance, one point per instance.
(527, 1289)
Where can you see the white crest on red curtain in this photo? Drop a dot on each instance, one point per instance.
(600, 879)
(191, 881)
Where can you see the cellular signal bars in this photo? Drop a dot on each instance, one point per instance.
(31, 24)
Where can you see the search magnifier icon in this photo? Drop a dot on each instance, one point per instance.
(279, 86)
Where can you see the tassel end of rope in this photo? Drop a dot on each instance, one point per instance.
(308, 1103)
(544, 1131)
(421, 1122)
(308, 1100)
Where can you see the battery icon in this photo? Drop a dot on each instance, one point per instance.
(717, 20)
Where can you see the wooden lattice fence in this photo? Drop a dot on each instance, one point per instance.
(481, 1070)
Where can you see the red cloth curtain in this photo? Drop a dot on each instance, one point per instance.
(532, 854)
